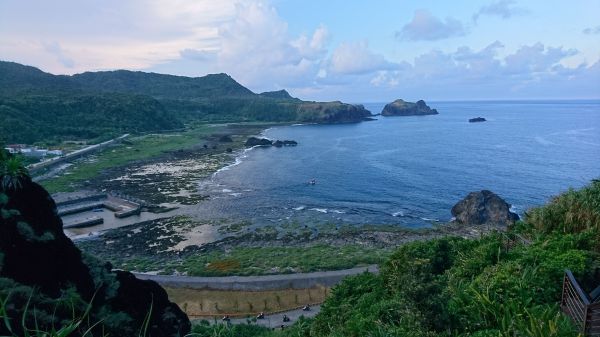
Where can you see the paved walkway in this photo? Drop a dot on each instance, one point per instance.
(258, 283)
(276, 320)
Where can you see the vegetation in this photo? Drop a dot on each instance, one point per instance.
(252, 260)
(12, 171)
(29, 118)
(135, 148)
(571, 212)
(265, 260)
(37, 106)
(492, 287)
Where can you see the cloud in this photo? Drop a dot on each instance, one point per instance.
(503, 9)
(250, 40)
(197, 55)
(425, 26)
(109, 34)
(356, 58)
(591, 31)
(55, 49)
(535, 59)
(532, 71)
(257, 49)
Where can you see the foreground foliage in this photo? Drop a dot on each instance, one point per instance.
(497, 286)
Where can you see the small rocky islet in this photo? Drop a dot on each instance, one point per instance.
(255, 141)
(401, 107)
(477, 120)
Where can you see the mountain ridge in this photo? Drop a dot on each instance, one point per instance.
(163, 102)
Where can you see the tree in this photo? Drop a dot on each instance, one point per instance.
(12, 171)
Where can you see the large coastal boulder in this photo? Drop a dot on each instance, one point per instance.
(402, 108)
(483, 207)
(254, 141)
(41, 266)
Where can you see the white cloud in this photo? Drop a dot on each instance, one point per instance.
(356, 58)
(257, 49)
(591, 30)
(536, 58)
(109, 34)
(425, 26)
(249, 40)
(531, 71)
(503, 9)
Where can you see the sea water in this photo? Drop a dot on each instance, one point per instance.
(410, 171)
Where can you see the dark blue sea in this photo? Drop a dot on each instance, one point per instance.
(410, 171)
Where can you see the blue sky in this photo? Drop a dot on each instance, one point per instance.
(356, 51)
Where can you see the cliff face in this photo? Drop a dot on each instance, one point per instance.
(402, 108)
(332, 112)
(39, 265)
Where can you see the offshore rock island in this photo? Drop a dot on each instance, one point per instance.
(400, 107)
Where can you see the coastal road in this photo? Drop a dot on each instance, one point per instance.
(258, 283)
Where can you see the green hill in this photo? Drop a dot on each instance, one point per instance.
(39, 106)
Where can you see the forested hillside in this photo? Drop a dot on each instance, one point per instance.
(37, 106)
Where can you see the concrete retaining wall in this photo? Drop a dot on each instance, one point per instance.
(258, 283)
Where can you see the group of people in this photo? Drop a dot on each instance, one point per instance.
(261, 315)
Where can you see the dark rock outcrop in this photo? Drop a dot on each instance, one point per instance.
(477, 120)
(225, 139)
(290, 143)
(332, 112)
(484, 207)
(402, 108)
(35, 254)
(280, 143)
(35, 250)
(254, 141)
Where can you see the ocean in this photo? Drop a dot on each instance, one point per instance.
(410, 171)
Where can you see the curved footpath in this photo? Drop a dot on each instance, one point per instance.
(258, 283)
(276, 320)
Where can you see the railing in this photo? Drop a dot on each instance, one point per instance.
(511, 240)
(576, 304)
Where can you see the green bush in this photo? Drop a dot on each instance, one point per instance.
(571, 212)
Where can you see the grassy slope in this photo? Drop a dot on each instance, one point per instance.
(136, 148)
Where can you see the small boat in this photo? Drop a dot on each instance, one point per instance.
(312, 182)
(97, 210)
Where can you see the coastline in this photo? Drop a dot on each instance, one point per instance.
(199, 161)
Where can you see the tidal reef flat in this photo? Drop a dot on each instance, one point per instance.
(157, 168)
(182, 245)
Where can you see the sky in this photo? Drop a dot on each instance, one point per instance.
(354, 51)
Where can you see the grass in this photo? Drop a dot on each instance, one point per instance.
(246, 261)
(573, 211)
(133, 149)
(270, 260)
